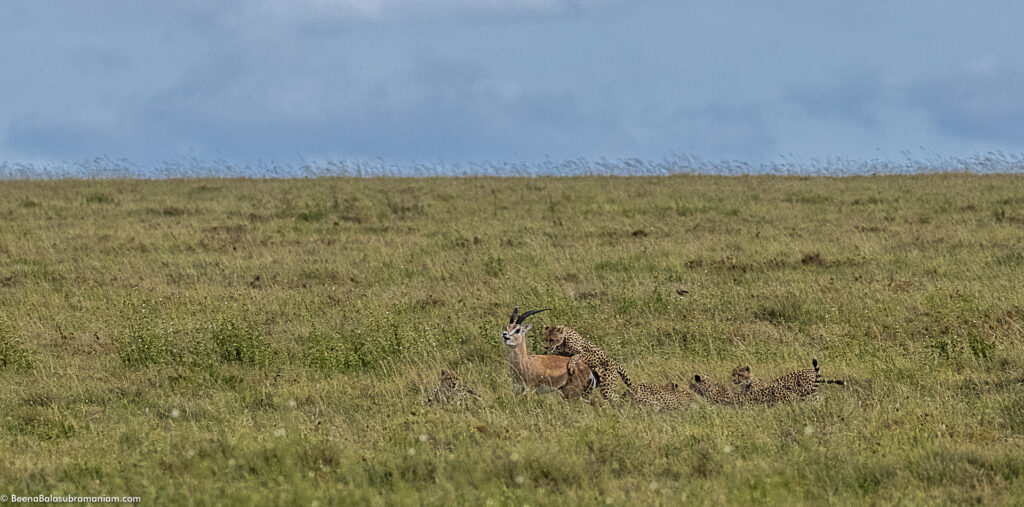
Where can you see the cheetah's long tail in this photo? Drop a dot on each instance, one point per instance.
(625, 377)
(818, 379)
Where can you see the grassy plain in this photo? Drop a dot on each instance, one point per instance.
(230, 341)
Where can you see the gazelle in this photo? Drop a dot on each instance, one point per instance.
(532, 371)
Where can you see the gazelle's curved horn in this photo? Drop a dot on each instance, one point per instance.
(527, 314)
(512, 319)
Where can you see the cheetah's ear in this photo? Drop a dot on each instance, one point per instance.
(696, 378)
(747, 369)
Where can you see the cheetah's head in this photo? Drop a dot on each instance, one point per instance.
(449, 378)
(699, 385)
(554, 337)
(741, 375)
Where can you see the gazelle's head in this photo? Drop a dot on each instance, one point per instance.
(515, 333)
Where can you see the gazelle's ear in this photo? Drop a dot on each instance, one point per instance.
(528, 327)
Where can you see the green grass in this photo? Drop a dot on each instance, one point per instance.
(228, 341)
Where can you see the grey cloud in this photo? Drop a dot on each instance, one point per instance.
(513, 80)
(246, 15)
(429, 107)
(744, 132)
(34, 137)
(974, 105)
(859, 98)
(985, 105)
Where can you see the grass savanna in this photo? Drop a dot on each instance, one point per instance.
(223, 341)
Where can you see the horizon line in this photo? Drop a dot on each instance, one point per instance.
(191, 167)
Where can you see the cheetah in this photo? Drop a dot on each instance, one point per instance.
(658, 397)
(720, 394)
(715, 392)
(767, 394)
(745, 379)
(803, 383)
(565, 341)
(450, 390)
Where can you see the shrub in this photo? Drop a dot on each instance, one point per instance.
(494, 266)
(13, 354)
(356, 350)
(240, 344)
(98, 199)
(781, 310)
(311, 216)
(142, 344)
(337, 352)
(148, 339)
(952, 328)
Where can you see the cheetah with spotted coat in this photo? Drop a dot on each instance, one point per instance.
(659, 397)
(802, 383)
(565, 341)
(720, 394)
(715, 392)
(450, 390)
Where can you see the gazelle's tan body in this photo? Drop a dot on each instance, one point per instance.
(532, 371)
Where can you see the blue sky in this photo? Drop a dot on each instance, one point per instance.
(514, 80)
